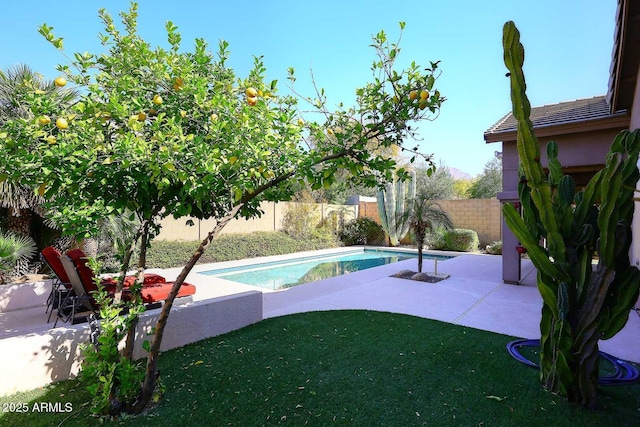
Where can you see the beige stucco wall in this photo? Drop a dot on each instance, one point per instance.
(271, 220)
(481, 215)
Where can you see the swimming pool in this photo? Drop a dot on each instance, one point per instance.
(285, 274)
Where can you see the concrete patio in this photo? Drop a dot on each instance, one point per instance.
(472, 296)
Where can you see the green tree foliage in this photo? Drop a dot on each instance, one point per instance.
(489, 183)
(167, 131)
(435, 185)
(17, 86)
(424, 216)
(461, 188)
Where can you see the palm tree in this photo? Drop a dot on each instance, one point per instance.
(424, 216)
(14, 249)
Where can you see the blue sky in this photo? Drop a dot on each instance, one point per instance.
(568, 49)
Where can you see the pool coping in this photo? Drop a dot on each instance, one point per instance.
(262, 263)
(199, 268)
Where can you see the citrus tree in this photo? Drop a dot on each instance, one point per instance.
(169, 132)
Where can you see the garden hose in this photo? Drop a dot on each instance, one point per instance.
(625, 372)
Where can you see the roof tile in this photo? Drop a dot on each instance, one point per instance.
(556, 114)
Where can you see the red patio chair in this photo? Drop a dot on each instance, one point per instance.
(81, 278)
(61, 285)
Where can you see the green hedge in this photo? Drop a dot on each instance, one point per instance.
(165, 254)
(461, 240)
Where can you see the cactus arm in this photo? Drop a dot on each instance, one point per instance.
(555, 169)
(382, 213)
(527, 143)
(537, 254)
(619, 303)
(589, 197)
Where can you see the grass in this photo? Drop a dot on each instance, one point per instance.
(356, 368)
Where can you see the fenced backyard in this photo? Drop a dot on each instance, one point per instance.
(481, 215)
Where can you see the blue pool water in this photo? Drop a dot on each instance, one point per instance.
(288, 273)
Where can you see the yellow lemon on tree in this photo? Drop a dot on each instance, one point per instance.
(61, 123)
(51, 139)
(44, 120)
(142, 116)
(424, 95)
(157, 99)
(213, 117)
(413, 95)
(251, 92)
(252, 100)
(60, 81)
(178, 83)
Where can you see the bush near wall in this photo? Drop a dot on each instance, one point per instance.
(495, 248)
(435, 239)
(167, 254)
(362, 231)
(461, 240)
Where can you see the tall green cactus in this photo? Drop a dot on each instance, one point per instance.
(581, 305)
(393, 202)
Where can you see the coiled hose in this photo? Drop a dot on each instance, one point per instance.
(625, 372)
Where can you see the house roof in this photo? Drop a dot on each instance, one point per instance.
(592, 112)
(625, 56)
(557, 114)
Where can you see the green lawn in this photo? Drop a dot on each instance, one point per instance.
(348, 368)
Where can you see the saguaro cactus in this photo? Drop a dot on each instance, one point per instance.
(393, 202)
(581, 304)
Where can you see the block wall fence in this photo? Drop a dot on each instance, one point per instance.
(271, 220)
(482, 215)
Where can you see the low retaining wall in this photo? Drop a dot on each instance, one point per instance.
(37, 359)
(24, 295)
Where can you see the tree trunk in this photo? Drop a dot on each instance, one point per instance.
(151, 376)
(19, 221)
(142, 261)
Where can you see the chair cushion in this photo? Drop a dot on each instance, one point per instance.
(160, 291)
(52, 257)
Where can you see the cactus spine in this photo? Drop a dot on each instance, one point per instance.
(581, 305)
(393, 203)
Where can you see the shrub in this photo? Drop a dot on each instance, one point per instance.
(167, 254)
(435, 239)
(362, 231)
(495, 248)
(461, 240)
(301, 217)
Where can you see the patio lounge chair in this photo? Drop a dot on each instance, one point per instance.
(153, 292)
(80, 259)
(61, 285)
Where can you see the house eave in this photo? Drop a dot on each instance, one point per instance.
(613, 121)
